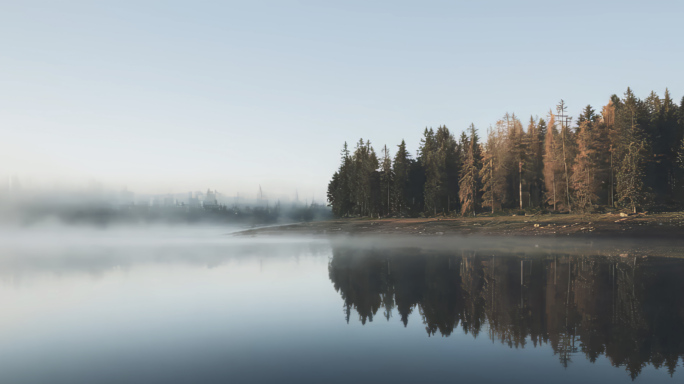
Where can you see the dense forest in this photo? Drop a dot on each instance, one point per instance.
(630, 156)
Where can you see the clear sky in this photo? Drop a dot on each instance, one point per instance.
(171, 96)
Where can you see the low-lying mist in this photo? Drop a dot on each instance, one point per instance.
(61, 250)
(53, 247)
(103, 210)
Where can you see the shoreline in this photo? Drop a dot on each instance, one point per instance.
(657, 226)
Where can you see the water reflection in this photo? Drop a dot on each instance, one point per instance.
(628, 308)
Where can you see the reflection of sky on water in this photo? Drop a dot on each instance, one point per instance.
(236, 310)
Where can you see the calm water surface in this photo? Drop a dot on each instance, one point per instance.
(200, 307)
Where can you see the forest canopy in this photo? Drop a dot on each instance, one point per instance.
(630, 156)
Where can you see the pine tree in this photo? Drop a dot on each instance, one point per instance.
(601, 158)
(680, 154)
(387, 180)
(632, 150)
(585, 165)
(679, 175)
(448, 162)
(672, 134)
(534, 147)
(657, 130)
(373, 181)
(477, 159)
(512, 150)
(588, 114)
(630, 188)
(608, 119)
(428, 158)
(679, 172)
(365, 165)
(508, 166)
(402, 166)
(468, 183)
(518, 150)
(551, 164)
(333, 187)
(339, 188)
(415, 193)
(566, 152)
(490, 174)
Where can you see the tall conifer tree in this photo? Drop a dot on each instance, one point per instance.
(469, 181)
(429, 159)
(585, 166)
(630, 186)
(491, 177)
(402, 167)
(387, 180)
(551, 164)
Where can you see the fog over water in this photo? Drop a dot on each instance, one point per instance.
(178, 304)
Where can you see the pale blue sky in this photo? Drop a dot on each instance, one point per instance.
(170, 96)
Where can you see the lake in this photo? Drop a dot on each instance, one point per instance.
(179, 306)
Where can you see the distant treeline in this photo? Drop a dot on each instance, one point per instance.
(630, 155)
(105, 214)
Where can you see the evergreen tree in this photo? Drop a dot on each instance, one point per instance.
(671, 133)
(448, 161)
(333, 187)
(469, 183)
(365, 165)
(552, 164)
(428, 156)
(490, 174)
(387, 181)
(509, 167)
(632, 150)
(518, 152)
(416, 188)
(679, 172)
(660, 135)
(665, 134)
(588, 114)
(601, 165)
(402, 167)
(585, 165)
(534, 147)
(565, 147)
(462, 144)
(511, 154)
(339, 189)
(608, 119)
(630, 187)
(680, 155)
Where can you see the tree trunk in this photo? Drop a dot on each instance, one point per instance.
(554, 190)
(491, 181)
(565, 164)
(520, 183)
(612, 203)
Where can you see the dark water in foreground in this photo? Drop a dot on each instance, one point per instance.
(216, 309)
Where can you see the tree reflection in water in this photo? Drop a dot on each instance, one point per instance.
(630, 309)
